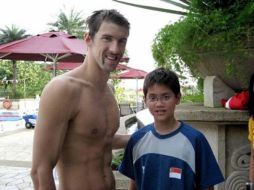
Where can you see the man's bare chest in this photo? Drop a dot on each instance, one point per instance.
(96, 120)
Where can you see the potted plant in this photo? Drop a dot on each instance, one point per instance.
(214, 38)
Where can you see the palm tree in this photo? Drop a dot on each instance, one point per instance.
(72, 23)
(10, 34)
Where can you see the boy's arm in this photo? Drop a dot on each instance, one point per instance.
(132, 185)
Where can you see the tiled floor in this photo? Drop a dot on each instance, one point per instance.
(15, 159)
(15, 178)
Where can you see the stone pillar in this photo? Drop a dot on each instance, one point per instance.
(214, 91)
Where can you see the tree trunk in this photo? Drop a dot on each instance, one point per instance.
(14, 67)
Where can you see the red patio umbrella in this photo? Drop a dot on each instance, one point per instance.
(132, 73)
(64, 66)
(72, 65)
(51, 46)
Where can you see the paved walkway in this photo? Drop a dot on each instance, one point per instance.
(15, 159)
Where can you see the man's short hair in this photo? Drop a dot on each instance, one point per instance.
(95, 20)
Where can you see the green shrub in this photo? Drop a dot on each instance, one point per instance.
(117, 159)
(209, 27)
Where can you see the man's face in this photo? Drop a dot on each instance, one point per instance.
(108, 45)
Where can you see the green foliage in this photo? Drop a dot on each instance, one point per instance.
(10, 34)
(213, 26)
(117, 159)
(31, 79)
(34, 77)
(193, 98)
(119, 93)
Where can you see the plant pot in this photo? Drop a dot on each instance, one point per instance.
(215, 64)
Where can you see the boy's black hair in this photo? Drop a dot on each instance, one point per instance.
(162, 76)
(95, 20)
(251, 96)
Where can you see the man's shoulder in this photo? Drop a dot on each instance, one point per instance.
(67, 81)
(57, 84)
(60, 89)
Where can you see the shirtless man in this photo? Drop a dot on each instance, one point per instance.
(78, 115)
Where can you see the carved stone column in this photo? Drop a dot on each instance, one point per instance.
(240, 163)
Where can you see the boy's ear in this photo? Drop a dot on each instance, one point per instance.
(144, 99)
(179, 96)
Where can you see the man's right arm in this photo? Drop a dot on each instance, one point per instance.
(49, 135)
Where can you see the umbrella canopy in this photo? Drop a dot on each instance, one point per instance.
(51, 46)
(132, 74)
(72, 65)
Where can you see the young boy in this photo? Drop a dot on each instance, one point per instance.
(168, 154)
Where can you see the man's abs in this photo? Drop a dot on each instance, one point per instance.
(85, 172)
(82, 178)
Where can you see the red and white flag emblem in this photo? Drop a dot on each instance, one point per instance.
(175, 172)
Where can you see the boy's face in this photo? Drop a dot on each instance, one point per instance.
(161, 102)
(108, 45)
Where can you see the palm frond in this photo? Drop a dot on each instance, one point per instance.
(152, 8)
(183, 6)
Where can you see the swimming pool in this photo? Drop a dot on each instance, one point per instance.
(10, 116)
(10, 121)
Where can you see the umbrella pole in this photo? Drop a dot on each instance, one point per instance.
(136, 94)
(54, 68)
(55, 59)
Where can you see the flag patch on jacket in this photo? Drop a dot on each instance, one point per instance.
(175, 173)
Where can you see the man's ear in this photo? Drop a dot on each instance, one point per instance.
(87, 37)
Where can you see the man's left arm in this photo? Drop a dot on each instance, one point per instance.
(120, 141)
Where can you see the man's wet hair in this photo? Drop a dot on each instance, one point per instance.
(95, 20)
(162, 76)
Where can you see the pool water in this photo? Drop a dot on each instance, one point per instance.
(10, 116)
(10, 121)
